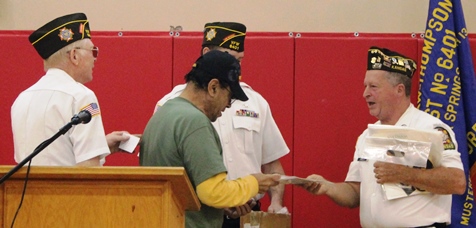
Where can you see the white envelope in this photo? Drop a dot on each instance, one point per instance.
(130, 144)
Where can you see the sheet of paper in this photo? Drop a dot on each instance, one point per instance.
(397, 132)
(130, 144)
(417, 146)
(293, 180)
(395, 191)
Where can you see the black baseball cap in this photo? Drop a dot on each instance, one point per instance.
(225, 68)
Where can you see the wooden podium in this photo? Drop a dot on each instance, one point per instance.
(97, 197)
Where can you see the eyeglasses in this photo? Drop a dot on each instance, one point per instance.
(232, 100)
(94, 49)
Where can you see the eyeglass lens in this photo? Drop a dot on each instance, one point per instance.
(95, 51)
(231, 95)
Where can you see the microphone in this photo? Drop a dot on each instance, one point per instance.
(83, 117)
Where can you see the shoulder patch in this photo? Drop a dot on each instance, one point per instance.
(93, 108)
(447, 140)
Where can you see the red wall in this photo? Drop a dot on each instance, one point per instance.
(313, 83)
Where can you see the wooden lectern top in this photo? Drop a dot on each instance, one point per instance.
(97, 197)
(176, 175)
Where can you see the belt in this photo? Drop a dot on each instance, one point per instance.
(435, 225)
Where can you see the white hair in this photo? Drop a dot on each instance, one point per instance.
(60, 57)
(398, 78)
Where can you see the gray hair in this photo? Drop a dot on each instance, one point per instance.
(397, 78)
(59, 58)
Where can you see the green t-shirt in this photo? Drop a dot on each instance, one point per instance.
(180, 135)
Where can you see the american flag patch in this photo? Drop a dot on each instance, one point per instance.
(93, 108)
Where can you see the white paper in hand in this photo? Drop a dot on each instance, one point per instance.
(130, 144)
(293, 180)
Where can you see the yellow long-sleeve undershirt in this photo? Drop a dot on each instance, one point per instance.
(220, 193)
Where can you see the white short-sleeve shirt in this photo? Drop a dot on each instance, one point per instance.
(417, 210)
(42, 110)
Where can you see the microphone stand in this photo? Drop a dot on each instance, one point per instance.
(38, 149)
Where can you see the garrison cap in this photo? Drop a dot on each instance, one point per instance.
(229, 35)
(387, 60)
(59, 33)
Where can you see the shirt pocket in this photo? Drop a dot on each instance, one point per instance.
(247, 131)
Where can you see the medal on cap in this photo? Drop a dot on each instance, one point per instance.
(66, 34)
(211, 34)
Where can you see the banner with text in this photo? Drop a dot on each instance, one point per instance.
(448, 91)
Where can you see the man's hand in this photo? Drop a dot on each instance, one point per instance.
(438, 180)
(266, 180)
(115, 138)
(274, 207)
(319, 185)
(240, 210)
(390, 173)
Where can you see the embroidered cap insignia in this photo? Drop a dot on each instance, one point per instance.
(211, 34)
(66, 34)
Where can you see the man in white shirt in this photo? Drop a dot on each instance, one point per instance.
(42, 110)
(387, 86)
